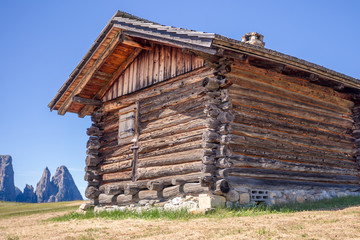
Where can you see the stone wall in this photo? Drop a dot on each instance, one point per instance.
(243, 196)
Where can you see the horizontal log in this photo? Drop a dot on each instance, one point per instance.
(275, 93)
(86, 101)
(182, 94)
(177, 129)
(121, 158)
(93, 143)
(294, 85)
(132, 188)
(92, 152)
(93, 131)
(149, 195)
(283, 145)
(173, 191)
(166, 111)
(115, 167)
(303, 139)
(173, 120)
(171, 159)
(298, 121)
(92, 161)
(112, 188)
(160, 88)
(111, 126)
(105, 199)
(260, 162)
(91, 175)
(173, 149)
(334, 124)
(189, 178)
(194, 189)
(155, 172)
(154, 185)
(261, 120)
(118, 176)
(290, 156)
(155, 144)
(116, 151)
(287, 175)
(240, 129)
(292, 116)
(207, 181)
(124, 200)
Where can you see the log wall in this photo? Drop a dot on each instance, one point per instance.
(153, 66)
(171, 126)
(289, 131)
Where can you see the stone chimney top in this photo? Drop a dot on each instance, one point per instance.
(254, 38)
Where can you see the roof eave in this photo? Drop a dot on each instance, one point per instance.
(85, 59)
(245, 48)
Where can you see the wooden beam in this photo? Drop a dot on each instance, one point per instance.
(88, 109)
(85, 79)
(86, 101)
(127, 40)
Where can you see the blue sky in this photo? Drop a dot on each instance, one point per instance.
(42, 41)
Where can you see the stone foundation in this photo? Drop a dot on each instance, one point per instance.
(235, 198)
(278, 197)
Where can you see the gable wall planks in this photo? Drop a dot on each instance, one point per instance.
(151, 67)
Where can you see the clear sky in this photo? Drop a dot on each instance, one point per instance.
(41, 42)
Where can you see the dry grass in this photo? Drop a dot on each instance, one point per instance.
(331, 224)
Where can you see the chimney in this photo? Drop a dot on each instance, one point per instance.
(253, 38)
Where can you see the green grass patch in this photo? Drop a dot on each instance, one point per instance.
(156, 213)
(10, 209)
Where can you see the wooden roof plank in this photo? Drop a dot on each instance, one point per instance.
(87, 109)
(112, 45)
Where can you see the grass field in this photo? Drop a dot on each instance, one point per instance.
(10, 209)
(328, 219)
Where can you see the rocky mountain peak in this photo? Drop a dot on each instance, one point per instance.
(7, 187)
(28, 195)
(61, 188)
(44, 187)
(65, 185)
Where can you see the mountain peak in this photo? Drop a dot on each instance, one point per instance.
(7, 187)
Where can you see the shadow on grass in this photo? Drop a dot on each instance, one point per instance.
(157, 213)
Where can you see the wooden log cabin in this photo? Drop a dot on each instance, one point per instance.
(177, 112)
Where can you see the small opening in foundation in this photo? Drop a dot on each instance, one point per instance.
(259, 203)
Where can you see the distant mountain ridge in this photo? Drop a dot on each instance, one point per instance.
(60, 188)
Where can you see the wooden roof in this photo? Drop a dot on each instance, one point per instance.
(125, 36)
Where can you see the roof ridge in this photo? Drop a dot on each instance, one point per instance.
(130, 16)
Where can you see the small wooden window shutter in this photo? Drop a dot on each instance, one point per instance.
(127, 117)
(129, 131)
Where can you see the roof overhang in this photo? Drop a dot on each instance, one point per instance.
(125, 36)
